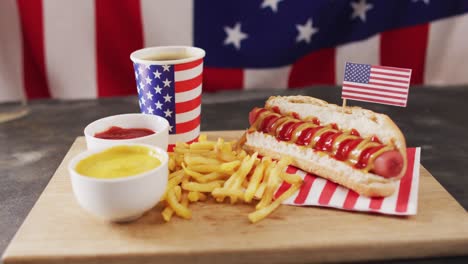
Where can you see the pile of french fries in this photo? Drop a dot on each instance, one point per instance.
(217, 169)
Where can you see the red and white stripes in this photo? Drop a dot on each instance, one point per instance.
(188, 88)
(80, 49)
(317, 191)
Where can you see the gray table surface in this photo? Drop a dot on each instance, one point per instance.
(32, 147)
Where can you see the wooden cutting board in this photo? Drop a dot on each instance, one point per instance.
(57, 230)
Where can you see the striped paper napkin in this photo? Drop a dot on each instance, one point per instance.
(317, 191)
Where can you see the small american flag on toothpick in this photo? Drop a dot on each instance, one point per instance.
(377, 84)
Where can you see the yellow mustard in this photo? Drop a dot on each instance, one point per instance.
(118, 162)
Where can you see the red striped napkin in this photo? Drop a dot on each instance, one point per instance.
(317, 191)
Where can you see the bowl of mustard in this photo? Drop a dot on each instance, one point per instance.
(119, 183)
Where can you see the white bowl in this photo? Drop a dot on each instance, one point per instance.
(156, 123)
(121, 199)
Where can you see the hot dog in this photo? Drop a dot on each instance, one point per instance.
(357, 148)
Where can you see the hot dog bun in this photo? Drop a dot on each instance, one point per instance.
(368, 123)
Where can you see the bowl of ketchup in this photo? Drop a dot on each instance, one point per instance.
(127, 128)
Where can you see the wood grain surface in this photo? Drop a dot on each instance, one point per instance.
(57, 230)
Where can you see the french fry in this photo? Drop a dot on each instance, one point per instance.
(245, 184)
(178, 192)
(214, 176)
(194, 160)
(205, 168)
(229, 167)
(172, 182)
(196, 175)
(219, 144)
(181, 145)
(188, 151)
(223, 192)
(223, 169)
(254, 182)
(261, 189)
(202, 196)
(242, 154)
(204, 145)
(171, 164)
(272, 185)
(210, 154)
(244, 169)
(226, 156)
(176, 173)
(185, 179)
(178, 208)
(168, 211)
(193, 196)
(290, 178)
(202, 138)
(196, 196)
(232, 179)
(264, 212)
(201, 187)
(179, 159)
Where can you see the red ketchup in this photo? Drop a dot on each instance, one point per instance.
(327, 143)
(376, 139)
(115, 132)
(365, 155)
(266, 123)
(276, 109)
(316, 121)
(346, 147)
(306, 136)
(286, 132)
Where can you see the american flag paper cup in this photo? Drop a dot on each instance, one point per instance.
(169, 84)
(316, 191)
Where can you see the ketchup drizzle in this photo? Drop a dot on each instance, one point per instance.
(365, 155)
(283, 128)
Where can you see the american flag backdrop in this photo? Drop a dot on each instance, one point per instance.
(174, 92)
(80, 49)
(378, 84)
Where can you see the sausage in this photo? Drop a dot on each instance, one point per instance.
(253, 115)
(389, 164)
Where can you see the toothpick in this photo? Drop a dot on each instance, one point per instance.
(344, 105)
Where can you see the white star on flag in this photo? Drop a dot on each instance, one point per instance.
(170, 128)
(167, 83)
(143, 100)
(234, 35)
(167, 98)
(273, 4)
(157, 74)
(141, 69)
(168, 113)
(158, 105)
(148, 80)
(150, 110)
(166, 67)
(360, 9)
(157, 89)
(142, 85)
(149, 95)
(136, 74)
(147, 66)
(306, 31)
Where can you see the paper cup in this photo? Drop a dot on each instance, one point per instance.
(169, 84)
